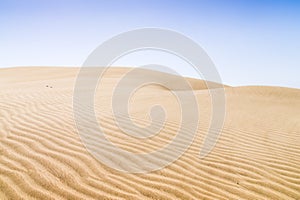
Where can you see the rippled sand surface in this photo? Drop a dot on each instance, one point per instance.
(257, 155)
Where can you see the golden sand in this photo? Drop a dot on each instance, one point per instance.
(257, 155)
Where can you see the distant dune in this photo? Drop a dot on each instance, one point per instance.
(257, 155)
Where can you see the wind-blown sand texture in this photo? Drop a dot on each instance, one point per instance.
(257, 155)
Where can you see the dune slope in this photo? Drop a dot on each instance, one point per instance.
(257, 155)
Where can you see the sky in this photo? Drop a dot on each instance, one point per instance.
(250, 42)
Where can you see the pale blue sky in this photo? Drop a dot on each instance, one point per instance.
(251, 42)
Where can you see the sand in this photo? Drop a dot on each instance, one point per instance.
(257, 155)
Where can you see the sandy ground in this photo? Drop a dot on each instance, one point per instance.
(257, 155)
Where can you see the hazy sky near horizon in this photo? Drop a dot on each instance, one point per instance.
(250, 42)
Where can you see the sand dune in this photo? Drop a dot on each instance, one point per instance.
(257, 155)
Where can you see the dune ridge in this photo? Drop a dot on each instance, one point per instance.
(257, 155)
